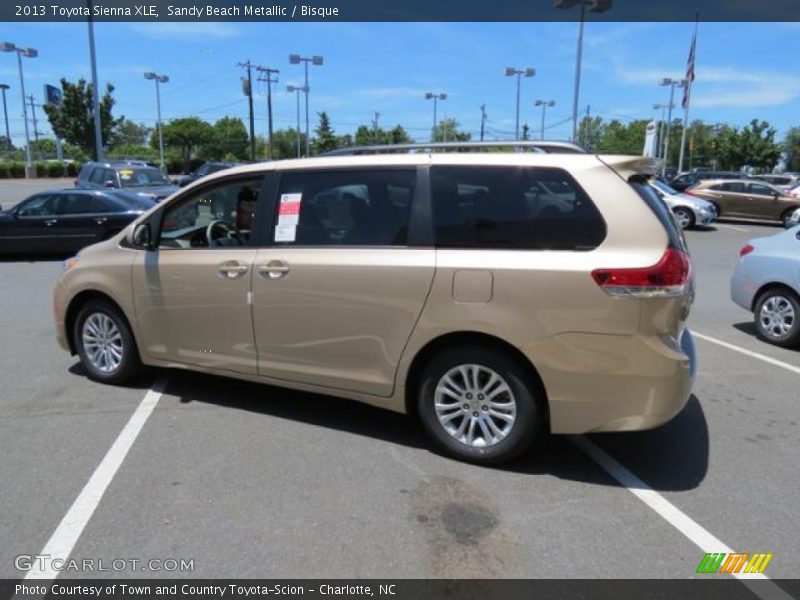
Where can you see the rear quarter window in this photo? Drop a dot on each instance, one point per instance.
(662, 211)
(528, 208)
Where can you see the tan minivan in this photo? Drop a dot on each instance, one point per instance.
(492, 295)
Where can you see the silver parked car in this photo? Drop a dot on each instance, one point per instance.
(689, 211)
(766, 282)
(793, 220)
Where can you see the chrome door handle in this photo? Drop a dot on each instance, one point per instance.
(51, 222)
(232, 269)
(274, 269)
(100, 220)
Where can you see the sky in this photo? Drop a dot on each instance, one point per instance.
(744, 71)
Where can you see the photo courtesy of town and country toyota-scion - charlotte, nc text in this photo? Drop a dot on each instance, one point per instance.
(154, 12)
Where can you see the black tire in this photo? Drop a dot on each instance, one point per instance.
(527, 395)
(777, 297)
(787, 214)
(130, 365)
(685, 215)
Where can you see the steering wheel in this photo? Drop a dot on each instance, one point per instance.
(220, 226)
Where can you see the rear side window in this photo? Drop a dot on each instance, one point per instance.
(529, 208)
(731, 186)
(347, 208)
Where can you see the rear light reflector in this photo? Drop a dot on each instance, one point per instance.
(668, 278)
(746, 250)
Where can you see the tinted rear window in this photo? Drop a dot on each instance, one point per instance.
(532, 208)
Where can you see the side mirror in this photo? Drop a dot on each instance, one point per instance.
(142, 236)
(110, 184)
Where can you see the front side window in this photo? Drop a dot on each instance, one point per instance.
(760, 190)
(513, 207)
(345, 208)
(216, 216)
(80, 204)
(38, 206)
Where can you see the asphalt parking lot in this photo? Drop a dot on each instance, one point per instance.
(253, 481)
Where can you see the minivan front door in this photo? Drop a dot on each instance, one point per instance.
(191, 294)
(337, 296)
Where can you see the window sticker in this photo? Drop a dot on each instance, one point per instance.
(125, 173)
(285, 233)
(289, 210)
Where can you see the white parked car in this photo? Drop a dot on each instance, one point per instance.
(689, 211)
(766, 282)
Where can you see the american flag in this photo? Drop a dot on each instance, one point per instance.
(687, 91)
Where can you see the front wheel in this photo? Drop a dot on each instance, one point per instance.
(777, 317)
(786, 218)
(479, 405)
(105, 343)
(685, 217)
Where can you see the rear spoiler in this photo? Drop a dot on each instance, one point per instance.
(632, 167)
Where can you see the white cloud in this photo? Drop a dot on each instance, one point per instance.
(184, 31)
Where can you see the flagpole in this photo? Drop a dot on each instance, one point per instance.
(688, 91)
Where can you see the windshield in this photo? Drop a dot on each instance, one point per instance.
(142, 177)
(663, 187)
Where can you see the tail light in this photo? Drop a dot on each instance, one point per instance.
(668, 278)
(746, 250)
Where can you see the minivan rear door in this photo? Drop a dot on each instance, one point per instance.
(337, 295)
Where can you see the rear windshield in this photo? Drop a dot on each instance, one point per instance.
(662, 211)
(533, 208)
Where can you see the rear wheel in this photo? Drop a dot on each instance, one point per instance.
(105, 343)
(684, 216)
(479, 405)
(777, 317)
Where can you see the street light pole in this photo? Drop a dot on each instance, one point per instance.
(527, 72)
(672, 83)
(4, 87)
(158, 79)
(30, 170)
(436, 97)
(544, 104)
(98, 125)
(296, 90)
(317, 60)
(595, 6)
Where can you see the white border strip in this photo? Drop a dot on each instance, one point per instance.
(64, 538)
(750, 353)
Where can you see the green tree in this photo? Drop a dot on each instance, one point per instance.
(758, 145)
(590, 131)
(791, 146)
(229, 137)
(398, 135)
(326, 139)
(73, 121)
(128, 133)
(447, 131)
(185, 135)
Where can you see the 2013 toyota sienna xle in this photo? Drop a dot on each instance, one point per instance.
(492, 295)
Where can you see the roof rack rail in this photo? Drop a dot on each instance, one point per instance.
(540, 146)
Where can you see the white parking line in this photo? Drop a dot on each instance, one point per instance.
(732, 227)
(690, 528)
(63, 540)
(750, 353)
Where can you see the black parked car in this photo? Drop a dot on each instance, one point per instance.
(205, 169)
(687, 180)
(132, 176)
(67, 220)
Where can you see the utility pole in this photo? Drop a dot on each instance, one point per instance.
(248, 91)
(483, 119)
(266, 75)
(33, 115)
(375, 127)
(3, 88)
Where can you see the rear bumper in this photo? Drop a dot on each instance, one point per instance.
(616, 383)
